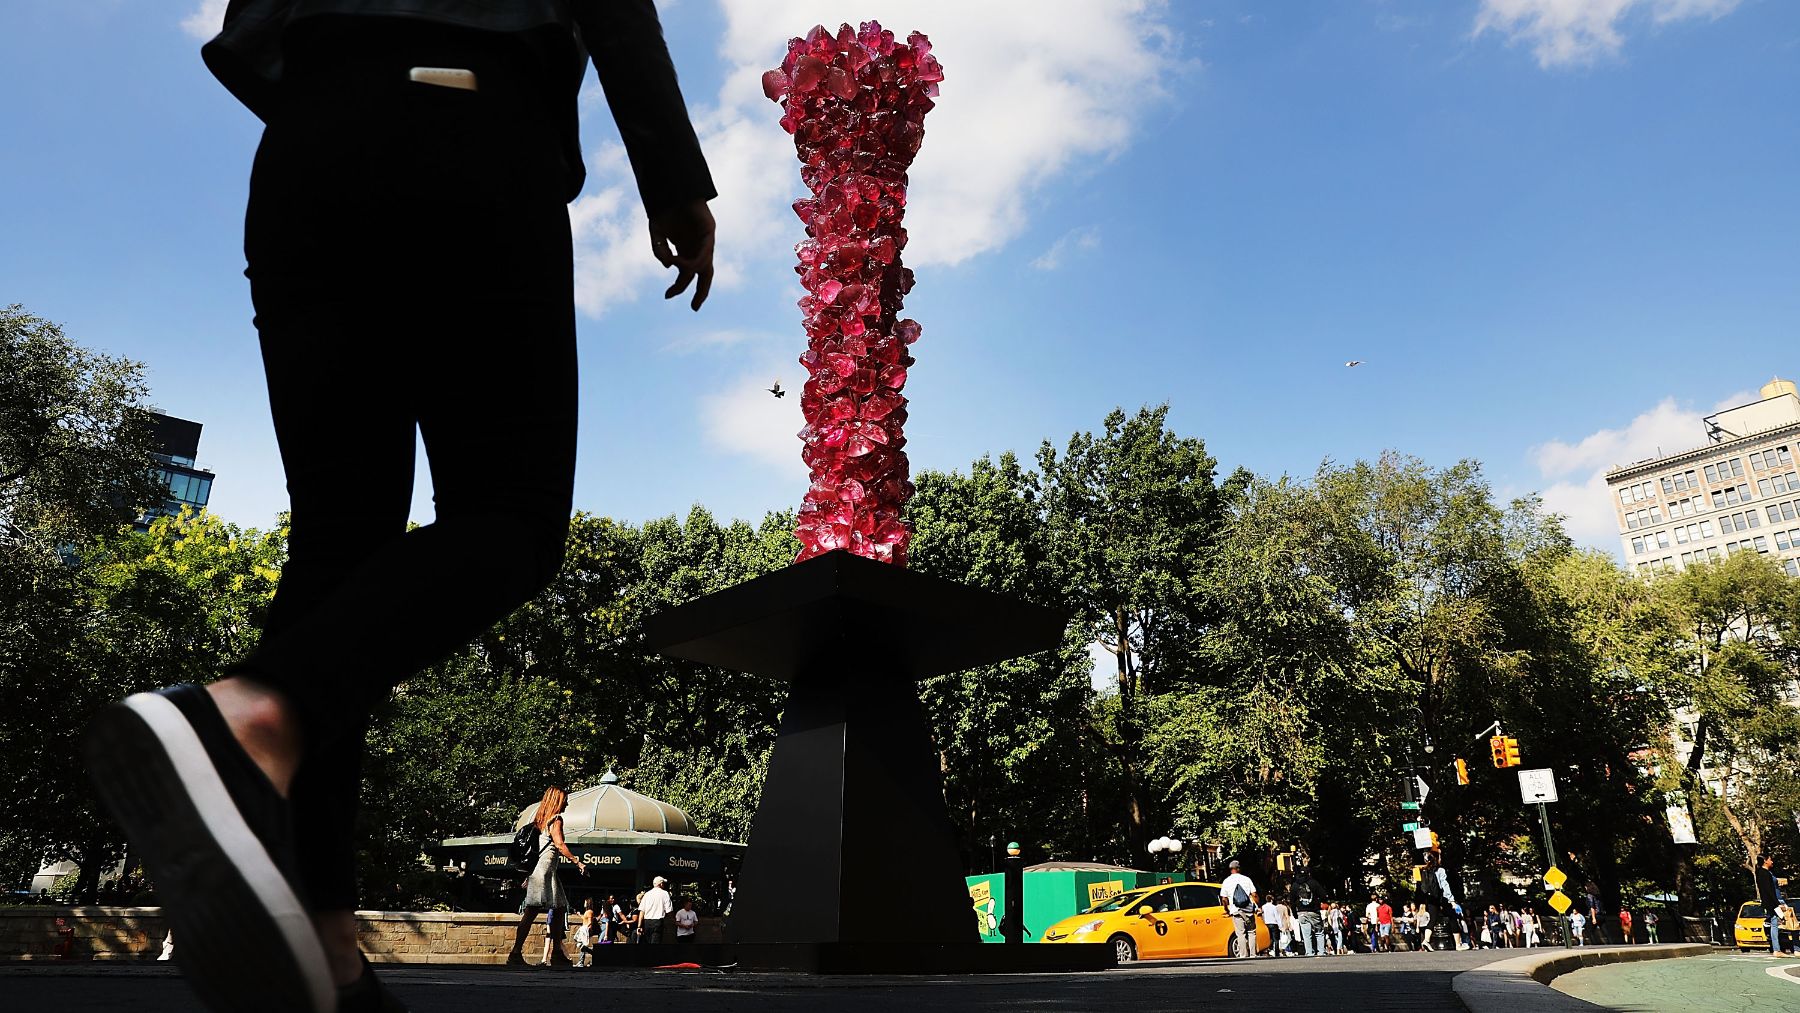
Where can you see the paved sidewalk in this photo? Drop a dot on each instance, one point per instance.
(1717, 983)
(1518, 984)
(1377, 983)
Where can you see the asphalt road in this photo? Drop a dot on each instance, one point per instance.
(1389, 983)
(1717, 983)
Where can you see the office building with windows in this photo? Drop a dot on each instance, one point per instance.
(1738, 492)
(187, 485)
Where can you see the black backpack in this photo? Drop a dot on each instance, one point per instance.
(522, 853)
(1305, 893)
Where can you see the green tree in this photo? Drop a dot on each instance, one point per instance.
(1011, 738)
(130, 612)
(1734, 678)
(1131, 514)
(75, 438)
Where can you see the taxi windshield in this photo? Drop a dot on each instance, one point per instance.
(1116, 903)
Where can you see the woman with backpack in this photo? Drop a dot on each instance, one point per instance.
(543, 888)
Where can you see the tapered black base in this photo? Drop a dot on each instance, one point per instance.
(852, 852)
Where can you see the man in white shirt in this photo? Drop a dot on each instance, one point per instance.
(685, 922)
(1237, 895)
(656, 906)
(1372, 919)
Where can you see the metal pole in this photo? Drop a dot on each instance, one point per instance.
(1012, 927)
(1550, 863)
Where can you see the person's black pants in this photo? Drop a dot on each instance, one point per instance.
(653, 930)
(410, 265)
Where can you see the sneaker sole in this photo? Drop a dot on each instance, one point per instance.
(243, 939)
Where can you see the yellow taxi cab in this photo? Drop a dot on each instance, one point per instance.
(1751, 931)
(1175, 920)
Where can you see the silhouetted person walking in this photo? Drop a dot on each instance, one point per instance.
(410, 264)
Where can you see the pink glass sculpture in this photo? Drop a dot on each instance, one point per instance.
(855, 103)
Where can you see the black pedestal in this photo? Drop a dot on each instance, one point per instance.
(852, 864)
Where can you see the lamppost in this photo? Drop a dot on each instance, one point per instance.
(1171, 845)
(1012, 924)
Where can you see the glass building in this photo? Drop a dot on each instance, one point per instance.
(177, 445)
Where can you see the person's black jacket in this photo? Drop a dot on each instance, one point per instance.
(623, 38)
(1766, 888)
(1308, 894)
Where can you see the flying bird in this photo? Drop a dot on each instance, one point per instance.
(777, 391)
(1353, 363)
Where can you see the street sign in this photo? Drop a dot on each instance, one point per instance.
(1409, 807)
(1555, 878)
(1537, 785)
(1560, 902)
(1409, 827)
(1422, 838)
(1424, 789)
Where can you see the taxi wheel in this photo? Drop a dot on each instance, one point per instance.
(1124, 950)
(1231, 945)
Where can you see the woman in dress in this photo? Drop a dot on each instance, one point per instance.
(543, 888)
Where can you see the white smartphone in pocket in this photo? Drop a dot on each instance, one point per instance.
(444, 77)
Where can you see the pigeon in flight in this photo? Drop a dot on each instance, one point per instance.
(777, 391)
(1353, 363)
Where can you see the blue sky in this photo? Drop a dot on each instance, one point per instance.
(1555, 231)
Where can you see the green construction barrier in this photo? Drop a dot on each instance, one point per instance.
(1050, 896)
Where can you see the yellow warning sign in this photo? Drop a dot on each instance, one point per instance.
(1098, 892)
(1561, 902)
(1555, 878)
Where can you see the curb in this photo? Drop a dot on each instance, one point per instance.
(1519, 985)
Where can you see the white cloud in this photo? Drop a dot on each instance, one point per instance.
(1085, 238)
(1575, 32)
(206, 19)
(743, 418)
(1032, 92)
(1578, 470)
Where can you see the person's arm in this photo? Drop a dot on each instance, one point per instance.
(625, 40)
(556, 838)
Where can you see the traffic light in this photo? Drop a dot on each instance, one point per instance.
(1462, 771)
(1505, 750)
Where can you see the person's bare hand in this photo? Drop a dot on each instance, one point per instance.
(682, 237)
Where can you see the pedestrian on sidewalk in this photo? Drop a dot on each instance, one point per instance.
(409, 258)
(1435, 881)
(656, 906)
(1422, 918)
(1768, 892)
(687, 922)
(1578, 927)
(1650, 925)
(1625, 925)
(1271, 916)
(1237, 895)
(543, 887)
(1384, 918)
(1308, 896)
(1528, 927)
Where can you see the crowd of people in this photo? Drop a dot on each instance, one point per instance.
(1301, 922)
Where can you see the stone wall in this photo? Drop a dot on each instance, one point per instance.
(389, 937)
(81, 933)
